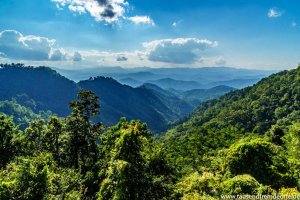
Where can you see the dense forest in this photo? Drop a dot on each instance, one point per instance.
(41, 89)
(246, 142)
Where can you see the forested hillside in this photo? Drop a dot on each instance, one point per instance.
(42, 89)
(245, 143)
(118, 100)
(21, 115)
(248, 137)
(46, 87)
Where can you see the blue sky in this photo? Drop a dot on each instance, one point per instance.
(262, 34)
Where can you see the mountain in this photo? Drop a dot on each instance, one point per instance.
(22, 115)
(43, 89)
(206, 77)
(130, 82)
(46, 87)
(168, 83)
(246, 142)
(142, 76)
(253, 131)
(272, 102)
(235, 83)
(195, 97)
(119, 100)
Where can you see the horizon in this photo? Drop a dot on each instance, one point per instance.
(72, 34)
(149, 67)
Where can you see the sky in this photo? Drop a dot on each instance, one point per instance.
(76, 34)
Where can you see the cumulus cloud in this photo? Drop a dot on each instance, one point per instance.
(178, 51)
(14, 45)
(122, 58)
(274, 13)
(77, 57)
(142, 20)
(102, 10)
(57, 55)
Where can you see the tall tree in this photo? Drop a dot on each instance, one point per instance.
(83, 137)
(52, 135)
(7, 131)
(125, 177)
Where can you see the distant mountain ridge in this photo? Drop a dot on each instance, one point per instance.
(167, 83)
(176, 78)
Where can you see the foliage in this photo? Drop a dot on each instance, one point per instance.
(244, 143)
(292, 141)
(241, 185)
(22, 115)
(7, 131)
(26, 178)
(199, 185)
(262, 160)
(125, 178)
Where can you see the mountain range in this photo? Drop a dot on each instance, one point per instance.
(43, 89)
(173, 78)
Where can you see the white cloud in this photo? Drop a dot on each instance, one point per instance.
(274, 13)
(178, 51)
(57, 55)
(35, 50)
(102, 10)
(294, 24)
(14, 45)
(175, 24)
(142, 20)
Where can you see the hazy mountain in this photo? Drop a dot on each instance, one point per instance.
(195, 97)
(235, 83)
(193, 78)
(130, 82)
(167, 83)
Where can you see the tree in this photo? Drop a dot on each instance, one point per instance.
(7, 131)
(292, 141)
(244, 185)
(86, 104)
(194, 184)
(34, 141)
(262, 160)
(125, 173)
(52, 136)
(83, 135)
(26, 178)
